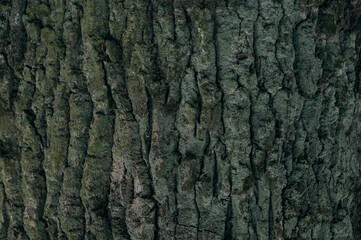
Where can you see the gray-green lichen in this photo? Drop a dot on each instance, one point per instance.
(144, 119)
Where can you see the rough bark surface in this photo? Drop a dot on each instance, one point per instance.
(180, 119)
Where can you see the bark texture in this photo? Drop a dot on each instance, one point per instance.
(180, 119)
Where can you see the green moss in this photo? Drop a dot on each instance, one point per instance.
(58, 154)
(191, 115)
(72, 224)
(47, 35)
(171, 107)
(248, 183)
(53, 54)
(216, 118)
(327, 24)
(72, 181)
(258, 161)
(94, 23)
(188, 174)
(42, 10)
(34, 229)
(203, 23)
(338, 63)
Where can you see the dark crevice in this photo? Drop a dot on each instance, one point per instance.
(112, 108)
(112, 105)
(90, 122)
(257, 71)
(149, 133)
(296, 61)
(66, 162)
(270, 218)
(228, 223)
(189, 25)
(357, 88)
(173, 21)
(257, 67)
(167, 90)
(256, 61)
(216, 58)
(176, 212)
(199, 100)
(5, 221)
(251, 131)
(14, 84)
(148, 148)
(197, 210)
(31, 118)
(150, 105)
(215, 175)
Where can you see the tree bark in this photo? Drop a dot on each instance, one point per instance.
(179, 119)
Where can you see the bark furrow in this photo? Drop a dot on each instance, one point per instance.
(179, 119)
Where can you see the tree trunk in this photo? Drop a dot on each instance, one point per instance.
(180, 119)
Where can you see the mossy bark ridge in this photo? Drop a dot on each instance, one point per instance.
(178, 119)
